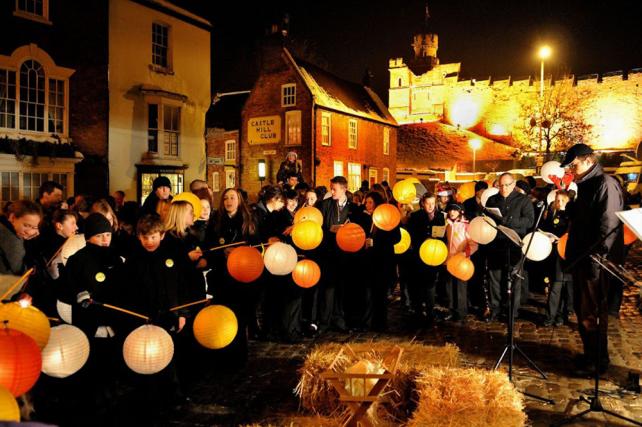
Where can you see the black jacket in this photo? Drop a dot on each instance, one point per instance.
(420, 226)
(472, 209)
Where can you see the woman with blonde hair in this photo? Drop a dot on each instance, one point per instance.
(101, 206)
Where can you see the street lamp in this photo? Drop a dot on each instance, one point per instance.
(261, 171)
(544, 53)
(474, 143)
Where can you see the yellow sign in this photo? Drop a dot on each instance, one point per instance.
(264, 130)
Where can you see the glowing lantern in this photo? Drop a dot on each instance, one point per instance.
(550, 198)
(66, 352)
(351, 237)
(64, 311)
(308, 213)
(482, 230)
(629, 236)
(540, 248)
(561, 246)
(386, 217)
(551, 168)
(215, 327)
(362, 386)
(280, 259)
(192, 199)
(404, 191)
(433, 252)
(9, 410)
(402, 245)
(461, 267)
(414, 180)
(307, 235)
(20, 361)
(72, 245)
(148, 349)
(27, 319)
(306, 273)
(466, 191)
(489, 192)
(245, 264)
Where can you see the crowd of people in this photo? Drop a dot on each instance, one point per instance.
(163, 254)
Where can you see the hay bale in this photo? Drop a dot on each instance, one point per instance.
(397, 403)
(470, 397)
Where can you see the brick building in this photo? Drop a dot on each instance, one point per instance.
(336, 127)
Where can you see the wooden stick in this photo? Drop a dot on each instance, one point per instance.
(226, 246)
(178, 307)
(113, 307)
(55, 255)
(18, 282)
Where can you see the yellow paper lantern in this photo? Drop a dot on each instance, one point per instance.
(148, 349)
(386, 217)
(466, 191)
(192, 199)
(402, 245)
(561, 246)
(433, 252)
(307, 235)
(215, 327)
(280, 259)
(20, 361)
(461, 267)
(306, 273)
(482, 230)
(362, 386)
(9, 410)
(541, 247)
(66, 352)
(28, 319)
(308, 213)
(404, 191)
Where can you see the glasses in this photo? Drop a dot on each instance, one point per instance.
(507, 184)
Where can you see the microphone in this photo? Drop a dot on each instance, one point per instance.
(539, 204)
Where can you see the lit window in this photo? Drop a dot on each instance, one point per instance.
(386, 175)
(354, 176)
(56, 114)
(372, 176)
(10, 186)
(31, 184)
(230, 178)
(160, 45)
(169, 134)
(230, 150)
(386, 140)
(216, 181)
(352, 134)
(7, 99)
(35, 10)
(293, 128)
(338, 168)
(61, 178)
(152, 128)
(32, 96)
(288, 95)
(326, 129)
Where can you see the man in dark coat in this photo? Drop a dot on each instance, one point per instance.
(594, 230)
(503, 255)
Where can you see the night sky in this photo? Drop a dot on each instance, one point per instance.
(497, 37)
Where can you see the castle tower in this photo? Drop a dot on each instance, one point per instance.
(425, 46)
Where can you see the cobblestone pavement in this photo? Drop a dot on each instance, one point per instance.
(262, 391)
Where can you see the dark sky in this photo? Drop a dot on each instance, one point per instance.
(492, 37)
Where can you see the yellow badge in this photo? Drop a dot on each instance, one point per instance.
(221, 241)
(100, 277)
(169, 263)
(547, 280)
(556, 221)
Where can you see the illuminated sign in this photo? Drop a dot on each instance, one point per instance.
(264, 130)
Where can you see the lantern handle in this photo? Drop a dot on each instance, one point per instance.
(122, 310)
(16, 283)
(178, 307)
(216, 248)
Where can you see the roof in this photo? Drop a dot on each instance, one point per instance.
(440, 146)
(225, 111)
(341, 95)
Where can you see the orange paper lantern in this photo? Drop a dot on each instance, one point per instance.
(20, 361)
(27, 319)
(465, 191)
(433, 252)
(308, 213)
(629, 236)
(561, 246)
(215, 327)
(351, 237)
(245, 264)
(306, 273)
(461, 267)
(386, 217)
(307, 235)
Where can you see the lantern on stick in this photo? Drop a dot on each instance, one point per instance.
(386, 217)
(306, 273)
(24, 317)
(245, 264)
(351, 237)
(9, 410)
(482, 230)
(433, 252)
(551, 169)
(489, 192)
(307, 235)
(404, 244)
(192, 199)
(20, 361)
(404, 191)
(66, 352)
(64, 311)
(280, 259)
(308, 213)
(215, 327)
(148, 349)
(461, 267)
(539, 249)
(561, 246)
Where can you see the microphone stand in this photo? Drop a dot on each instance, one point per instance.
(511, 346)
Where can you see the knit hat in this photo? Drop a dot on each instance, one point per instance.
(95, 224)
(453, 207)
(161, 181)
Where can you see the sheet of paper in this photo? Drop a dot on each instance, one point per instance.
(511, 234)
(438, 231)
(553, 238)
(495, 211)
(633, 219)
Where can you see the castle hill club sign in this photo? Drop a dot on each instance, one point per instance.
(264, 130)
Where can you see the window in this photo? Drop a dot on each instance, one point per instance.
(230, 178)
(288, 95)
(25, 184)
(386, 140)
(338, 168)
(372, 176)
(31, 184)
(7, 99)
(354, 176)
(352, 134)
(36, 10)
(147, 180)
(160, 45)
(216, 181)
(326, 129)
(170, 132)
(293, 128)
(230, 150)
(399, 82)
(32, 96)
(386, 175)
(10, 186)
(61, 178)
(56, 114)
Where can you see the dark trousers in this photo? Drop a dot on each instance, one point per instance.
(591, 291)
(458, 296)
(423, 288)
(498, 283)
(560, 296)
(331, 293)
(477, 291)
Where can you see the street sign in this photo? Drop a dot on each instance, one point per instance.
(269, 152)
(215, 160)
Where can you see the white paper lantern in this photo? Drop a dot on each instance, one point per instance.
(148, 350)
(280, 259)
(487, 193)
(551, 168)
(481, 231)
(64, 311)
(551, 197)
(572, 187)
(72, 245)
(66, 352)
(541, 247)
